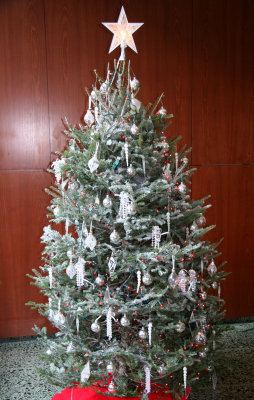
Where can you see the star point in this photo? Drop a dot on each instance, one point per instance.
(123, 31)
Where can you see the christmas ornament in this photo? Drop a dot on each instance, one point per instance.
(93, 163)
(134, 129)
(200, 338)
(156, 236)
(212, 269)
(182, 188)
(136, 103)
(203, 295)
(107, 202)
(150, 327)
(202, 319)
(185, 378)
(89, 118)
(192, 280)
(59, 319)
(106, 295)
(77, 325)
(111, 264)
(180, 327)
(182, 280)
(80, 269)
(97, 200)
(147, 379)
(93, 95)
(219, 290)
(173, 279)
(147, 279)
(202, 267)
(85, 373)
(162, 111)
(192, 323)
(124, 204)
(126, 151)
(214, 285)
(131, 171)
(57, 211)
(142, 334)
(194, 227)
(69, 318)
(168, 222)
(138, 280)
(99, 280)
(201, 221)
(112, 387)
(69, 254)
(214, 380)
(109, 323)
(124, 321)
(176, 161)
(110, 368)
(90, 240)
(50, 277)
(57, 167)
(185, 160)
(95, 327)
(67, 223)
(114, 237)
(104, 87)
(161, 370)
(123, 31)
(70, 348)
(134, 84)
(144, 165)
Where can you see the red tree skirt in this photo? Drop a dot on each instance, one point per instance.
(90, 394)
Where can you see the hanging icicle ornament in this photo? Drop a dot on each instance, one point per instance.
(90, 240)
(134, 84)
(162, 111)
(109, 323)
(107, 202)
(138, 280)
(89, 118)
(168, 222)
(85, 373)
(134, 129)
(114, 237)
(71, 270)
(93, 163)
(67, 223)
(50, 277)
(57, 167)
(192, 280)
(176, 161)
(80, 269)
(202, 266)
(212, 269)
(125, 202)
(147, 379)
(111, 264)
(77, 325)
(214, 343)
(214, 380)
(182, 280)
(149, 328)
(173, 279)
(185, 378)
(156, 236)
(126, 151)
(144, 165)
(219, 290)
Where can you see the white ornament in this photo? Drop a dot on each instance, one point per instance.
(112, 387)
(99, 280)
(95, 327)
(147, 379)
(156, 236)
(214, 380)
(50, 277)
(168, 222)
(106, 295)
(57, 211)
(126, 150)
(110, 368)
(67, 222)
(185, 378)
(162, 111)
(57, 168)
(85, 373)
(80, 269)
(134, 129)
(182, 280)
(150, 327)
(192, 280)
(69, 254)
(182, 188)
(147, 279)
(114, 237)
(109, 323)
(136, 103)
(138, 280)
(202, 267)
(111, 264)
(107, 202)
(90, 241)
(93, 163)
(71, 270)
(89, 118)
(125, 321)
(219, 290)
(77, 325)
(124, 204)
(131, 171)
(134, 84)
(212, 269)
(180, 327)
(142, 334)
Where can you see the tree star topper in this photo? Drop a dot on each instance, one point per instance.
(123, 31)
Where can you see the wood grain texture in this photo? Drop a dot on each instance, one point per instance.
(22, 215)
(80, 44)
(232, 195)
(24, 133)
(223, 82)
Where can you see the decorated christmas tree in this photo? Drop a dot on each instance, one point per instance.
(132, 286)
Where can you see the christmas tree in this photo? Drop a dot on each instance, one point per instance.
(131, 283)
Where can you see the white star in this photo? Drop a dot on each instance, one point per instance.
(123, 31)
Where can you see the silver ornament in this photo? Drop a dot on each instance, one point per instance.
(194, 227)
(110, 368)
(107, 202)
(201, 221)
(182, 188)
(134, 129)
(203, 353)
(57, 211)
(203, 295)
(89, 118)
(142, 334)
(125, 321)
(90, 241)
(103, 87)
(136, 103)
(162, 369)
(59, 319)
(93, 163)
(93, 94)
(95, 327)
(71, 270)
(212, 269)
(214, 285)
(180, 327)
(134, 84)
(147, 279)
(200, 338)
(114, 237)
(182, 280)
(99, 280)
(185, 160)
(173, 279)
(162, 111)
(131, 171)
(112, 387)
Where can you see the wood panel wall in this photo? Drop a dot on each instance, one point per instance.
(199, 53)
